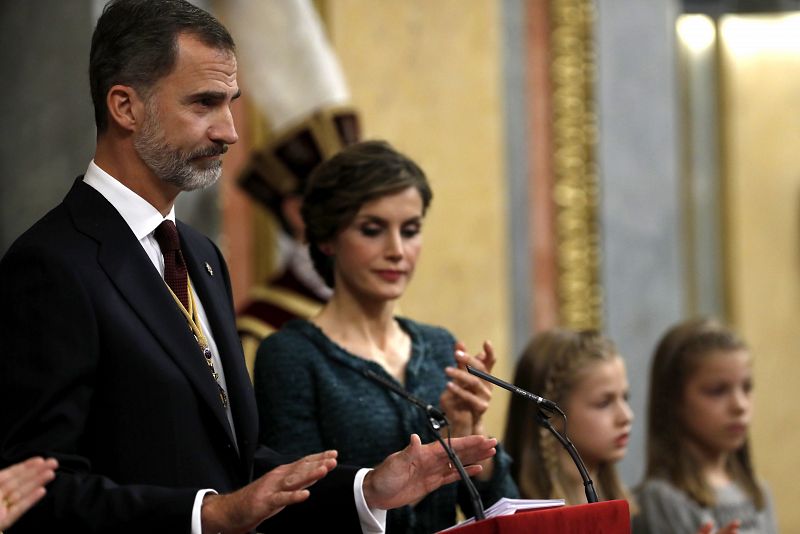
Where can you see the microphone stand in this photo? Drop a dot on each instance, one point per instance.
(588, 485)
(436, 421)
(544, 420)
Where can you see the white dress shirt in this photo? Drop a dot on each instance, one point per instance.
(143, 218)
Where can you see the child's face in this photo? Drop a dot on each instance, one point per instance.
(717, 403)
(600, 418)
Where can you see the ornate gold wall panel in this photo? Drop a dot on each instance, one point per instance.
(575, 191)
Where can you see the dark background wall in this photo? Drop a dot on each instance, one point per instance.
(47, 136)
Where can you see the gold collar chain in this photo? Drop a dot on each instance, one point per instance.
(193, 319)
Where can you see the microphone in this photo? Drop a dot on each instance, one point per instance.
(429, 409)
(544, 420)
(541, 401)
(436, 420)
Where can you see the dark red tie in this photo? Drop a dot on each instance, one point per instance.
(174, 267)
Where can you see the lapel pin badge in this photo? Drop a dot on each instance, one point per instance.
(209, 269)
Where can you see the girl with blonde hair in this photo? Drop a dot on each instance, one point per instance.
(582, 373)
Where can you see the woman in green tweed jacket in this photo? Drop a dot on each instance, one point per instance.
(363, 212)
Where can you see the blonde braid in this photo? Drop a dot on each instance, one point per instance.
(550, 365)
(559, 369)
(566, 361)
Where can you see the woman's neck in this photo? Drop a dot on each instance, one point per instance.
(347, 316)
(366, 329)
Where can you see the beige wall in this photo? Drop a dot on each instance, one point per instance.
(426, 77)
(761, 73)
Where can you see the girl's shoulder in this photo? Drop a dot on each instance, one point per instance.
(658, 490)
(765, 489)
(665, 508)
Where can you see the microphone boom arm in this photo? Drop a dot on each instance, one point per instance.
(588, 485)
(436, 420)
(544, 420)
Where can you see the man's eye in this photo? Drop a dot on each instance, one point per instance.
(206, 102)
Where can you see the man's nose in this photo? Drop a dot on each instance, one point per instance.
(224, 130)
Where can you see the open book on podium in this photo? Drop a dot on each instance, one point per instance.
(506, 506)
(549, 517)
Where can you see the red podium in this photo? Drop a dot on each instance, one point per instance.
(609, 517)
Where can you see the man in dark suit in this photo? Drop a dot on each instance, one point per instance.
(120, 356)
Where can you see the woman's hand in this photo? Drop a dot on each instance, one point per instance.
(467, 397)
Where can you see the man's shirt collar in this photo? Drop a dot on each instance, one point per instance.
(141, 216)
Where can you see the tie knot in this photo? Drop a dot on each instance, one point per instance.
(167, 236)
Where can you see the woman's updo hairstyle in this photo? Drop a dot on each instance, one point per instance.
(338, 188)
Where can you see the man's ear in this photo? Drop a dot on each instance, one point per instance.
(125, 107)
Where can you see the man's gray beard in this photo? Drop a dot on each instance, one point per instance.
(173, 166)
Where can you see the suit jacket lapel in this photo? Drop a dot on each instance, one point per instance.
(212, 290)
(127, 265)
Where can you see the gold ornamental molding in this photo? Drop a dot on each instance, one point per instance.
(575, 187)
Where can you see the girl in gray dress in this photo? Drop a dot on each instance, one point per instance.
(582, 372)
(698, 459)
